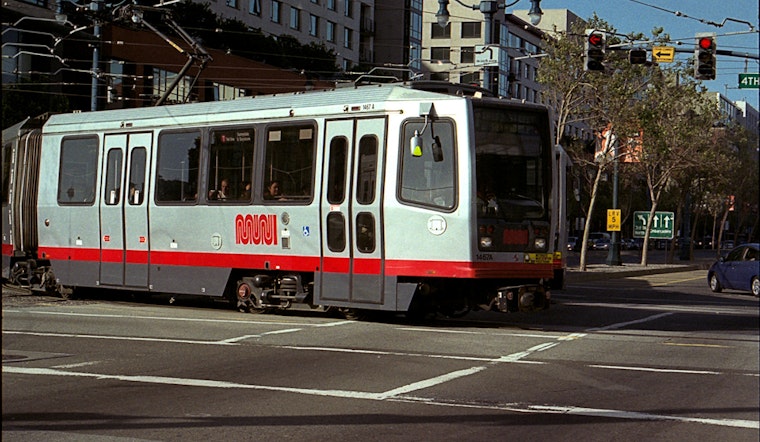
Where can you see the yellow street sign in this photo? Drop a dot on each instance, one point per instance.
(663, 54)
(613, 220)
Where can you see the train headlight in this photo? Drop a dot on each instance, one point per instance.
(486, 242)
(540, 243)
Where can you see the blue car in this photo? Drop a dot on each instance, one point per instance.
(738, 270)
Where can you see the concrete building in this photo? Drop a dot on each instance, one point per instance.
(346, 26)
(749, 117)
(460, 52)
(43, 58)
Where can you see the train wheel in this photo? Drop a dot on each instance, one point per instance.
(353, 314)
(243, 297)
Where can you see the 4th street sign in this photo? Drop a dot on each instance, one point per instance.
(662, 225)
(749, 81)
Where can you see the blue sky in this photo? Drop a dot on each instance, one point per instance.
(644, 15)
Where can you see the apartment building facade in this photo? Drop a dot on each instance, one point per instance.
(345, 26)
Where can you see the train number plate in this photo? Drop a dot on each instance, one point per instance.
(539, 258)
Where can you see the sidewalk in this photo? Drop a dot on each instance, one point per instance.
(596, 269)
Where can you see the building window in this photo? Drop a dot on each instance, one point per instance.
(347, 35)
(275, 14)
(316, 2)
(470, 78)
(313, 25)
(439, 76)
(415, 26)
(436, 31)
(295, 18)
(330, 32)
(161, 81)
(440, 54)
(347, 8)
(471, 29)
(254, 7)
(225, 92)
(467, 55)
(331, 5)
(232, 3)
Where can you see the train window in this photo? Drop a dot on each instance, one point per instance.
(517, 141)
(230, 165)
(137, 176)
(178, 163)
(113, 177)
(428, 177)
(78, 171)
(336, 174)
(7, 148)
(336, 232)
(289, 163)
(365, 232)
(367, 170)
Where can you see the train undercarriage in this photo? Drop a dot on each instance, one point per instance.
(273, 292)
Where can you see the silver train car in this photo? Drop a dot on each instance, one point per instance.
(379, 197)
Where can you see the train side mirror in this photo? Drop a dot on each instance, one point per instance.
(415, 145)
(437, 150)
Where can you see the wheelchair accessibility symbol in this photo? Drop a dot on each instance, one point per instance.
(306, 231)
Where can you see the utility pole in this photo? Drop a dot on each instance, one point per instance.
(95, 7)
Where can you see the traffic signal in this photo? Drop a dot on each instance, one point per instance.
(637, 56)
(594, 50)
(704, 55)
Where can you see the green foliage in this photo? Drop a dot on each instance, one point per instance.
(682, 150)
(283, 51)
(30, 101)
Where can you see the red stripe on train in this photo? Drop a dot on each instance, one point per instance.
(367, 266)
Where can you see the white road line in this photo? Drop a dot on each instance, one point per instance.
(427, 383)
(245, 321)
(81, 364)
(619, 414)
(462, 332)
(402, 354)
(583, 411)
(117, 338)
(625, 324)
(655, 370)
(393, 395)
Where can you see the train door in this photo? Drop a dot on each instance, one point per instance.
(351, 216)
(124, 244)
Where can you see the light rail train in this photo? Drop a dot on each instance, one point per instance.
(380, 197)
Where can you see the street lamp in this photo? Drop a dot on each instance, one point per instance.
(488, 8)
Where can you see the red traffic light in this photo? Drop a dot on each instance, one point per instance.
(706, 43)
(596, 39)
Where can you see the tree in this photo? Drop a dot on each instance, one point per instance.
(676, 119)
(602, 100)
(233, 35)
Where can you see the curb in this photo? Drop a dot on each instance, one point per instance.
(600, 274)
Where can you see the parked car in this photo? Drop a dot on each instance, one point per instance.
(630, 244)
(738, 270)
(572, 243)
(594, 236)
(602, 244)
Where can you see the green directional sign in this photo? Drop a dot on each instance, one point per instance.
(749, 81)
(662, 225)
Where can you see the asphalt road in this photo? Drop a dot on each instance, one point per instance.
(654, 357)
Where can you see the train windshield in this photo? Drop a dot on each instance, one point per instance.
(512, 161)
